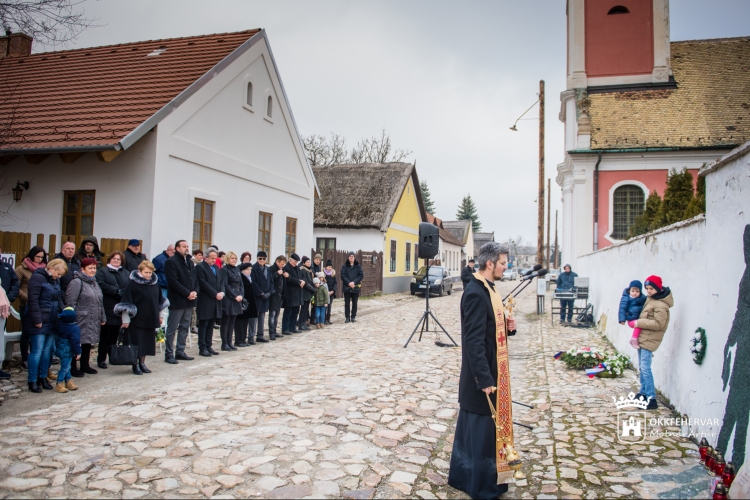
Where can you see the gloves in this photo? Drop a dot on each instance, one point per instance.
(265, 295)
(632, 323)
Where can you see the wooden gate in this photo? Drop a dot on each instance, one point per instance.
(371, 262)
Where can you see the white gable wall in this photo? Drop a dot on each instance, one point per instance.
(367, 240)
(124, 193)
(213, 147)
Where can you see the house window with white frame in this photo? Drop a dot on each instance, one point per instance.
(264, 232)
(203, 224)
(408, 257)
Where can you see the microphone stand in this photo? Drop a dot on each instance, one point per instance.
(521, 290)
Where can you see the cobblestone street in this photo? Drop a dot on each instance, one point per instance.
(341, 412)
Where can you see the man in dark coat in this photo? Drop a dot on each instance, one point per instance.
(9, 279)
(182, 292)
(566, 281)
(133, 255)
(210, 295)
(68, 254)
(90, 248)
(277, 298)
(467, 272)
(158, 263)
(351, 283)
(292, 295)
(262, 289)
(473, 466)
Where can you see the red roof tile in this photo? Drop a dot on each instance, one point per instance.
(96, 96)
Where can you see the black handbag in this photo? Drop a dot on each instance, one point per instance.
(122, 353)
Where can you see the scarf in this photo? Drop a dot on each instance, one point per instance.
(33, 266)
(110, 266)
(506, 455)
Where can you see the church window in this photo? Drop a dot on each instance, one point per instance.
(618, 9)
(627, 204)
(249, 97)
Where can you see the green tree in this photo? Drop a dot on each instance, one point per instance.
(468, 211)
(429, 205)
(647, 221)
(677, 197)
(697, 205)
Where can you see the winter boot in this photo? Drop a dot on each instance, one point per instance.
(69, 385)
(60, 387)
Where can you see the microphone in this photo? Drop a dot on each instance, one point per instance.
(535, 268)
(537, 274)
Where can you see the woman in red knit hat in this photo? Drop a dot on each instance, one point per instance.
(653, 323)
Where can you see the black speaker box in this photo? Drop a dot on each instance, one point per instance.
(429, 240)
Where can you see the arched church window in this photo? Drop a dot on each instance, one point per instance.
(627, 204)
(249, 97)
(269, 107)
(618, 9)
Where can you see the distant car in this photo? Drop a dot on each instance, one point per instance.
(553, 274)
(440, 281)
(510, 275)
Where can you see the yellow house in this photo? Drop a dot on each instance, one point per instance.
(372, 207)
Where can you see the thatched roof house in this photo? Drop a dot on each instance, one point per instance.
(372, 206)
(362, 195)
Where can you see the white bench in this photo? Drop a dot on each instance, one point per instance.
(9, 338)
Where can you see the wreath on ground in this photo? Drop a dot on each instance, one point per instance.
(583, 358)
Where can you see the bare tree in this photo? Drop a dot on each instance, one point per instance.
(9, 103)
(377, 150)
(322, 152)
(48, 22)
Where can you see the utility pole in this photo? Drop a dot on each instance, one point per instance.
(540, 198)
(549, 215)
(556, 264)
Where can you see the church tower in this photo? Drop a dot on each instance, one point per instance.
(618, 43)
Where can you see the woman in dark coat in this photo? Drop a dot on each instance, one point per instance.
(140, 307)
(351, 284)
(45, 301)
(84, 295)
(36, 258)
(246, 322)
(112, 280)
(231, 305)
(332, 283)
(305, 274)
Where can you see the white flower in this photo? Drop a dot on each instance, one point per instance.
(586, 355)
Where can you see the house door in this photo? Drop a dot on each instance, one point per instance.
(78, 216)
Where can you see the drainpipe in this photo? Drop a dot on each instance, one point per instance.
(596, 203)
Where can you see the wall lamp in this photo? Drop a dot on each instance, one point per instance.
(18, 190)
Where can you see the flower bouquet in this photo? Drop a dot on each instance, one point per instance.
(160, 336)
(614, 364)
(580, 358)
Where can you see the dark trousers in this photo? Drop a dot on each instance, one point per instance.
(328, 310)
(205, 332)
(304, 314)
(258, 326)
(273, 320)
(108, 339)
(350, 298)
(25, 342)
(240, 330)
(289, 319)
(566, 304)
(227, 328)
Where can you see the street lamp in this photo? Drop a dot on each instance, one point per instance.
(513, 128)
(18, 190)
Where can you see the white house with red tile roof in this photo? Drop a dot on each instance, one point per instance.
(187, 138)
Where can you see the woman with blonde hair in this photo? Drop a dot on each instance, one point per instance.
(140, 306)
(45, 302)
(231, 305)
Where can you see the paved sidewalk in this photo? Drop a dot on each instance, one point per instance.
(344, 411)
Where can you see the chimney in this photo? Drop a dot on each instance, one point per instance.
(15, 44)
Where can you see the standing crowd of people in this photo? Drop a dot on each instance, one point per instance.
(80, 299)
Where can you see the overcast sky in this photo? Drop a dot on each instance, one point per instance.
(446, 79)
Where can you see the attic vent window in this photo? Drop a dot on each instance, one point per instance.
(156, 52)
(618, 9)
(269, 107)
(249, 99)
